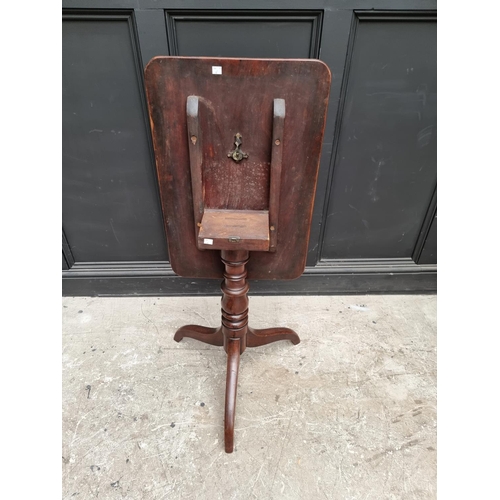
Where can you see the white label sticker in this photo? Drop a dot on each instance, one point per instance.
(216, 70)
(208, 241)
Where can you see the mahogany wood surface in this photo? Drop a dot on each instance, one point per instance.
(195, 142)
(199, 137)
(275, 174)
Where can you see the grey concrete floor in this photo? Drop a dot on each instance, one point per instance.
(349, 413)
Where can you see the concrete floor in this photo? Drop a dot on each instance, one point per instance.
(349, 413)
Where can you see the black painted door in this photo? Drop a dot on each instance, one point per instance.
(374, 222)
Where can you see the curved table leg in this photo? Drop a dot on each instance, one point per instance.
(211, 336)
(257, 338)
(233, 364)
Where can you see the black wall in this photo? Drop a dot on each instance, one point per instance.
(375, 216)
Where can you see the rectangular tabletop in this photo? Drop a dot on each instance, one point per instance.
(236, 96)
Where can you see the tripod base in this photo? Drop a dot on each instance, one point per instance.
(234, 334)
(254, 337)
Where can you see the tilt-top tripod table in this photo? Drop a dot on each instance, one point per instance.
(237, 145)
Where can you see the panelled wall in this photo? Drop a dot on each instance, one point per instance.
(375, 216)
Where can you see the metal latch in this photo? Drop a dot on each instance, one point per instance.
(237, 155)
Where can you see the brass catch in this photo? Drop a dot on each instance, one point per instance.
(237, 155)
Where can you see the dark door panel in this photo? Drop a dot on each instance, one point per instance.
(111, 210)
(245, 34)
(385, 165)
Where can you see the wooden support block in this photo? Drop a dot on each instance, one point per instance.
(234, 230)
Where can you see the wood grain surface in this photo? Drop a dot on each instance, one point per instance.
(239, 100)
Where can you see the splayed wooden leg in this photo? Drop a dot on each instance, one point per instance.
(233, 364)
(256, 338)
(211, 336)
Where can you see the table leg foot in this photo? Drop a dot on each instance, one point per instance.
(211, 336)
(257, 337)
